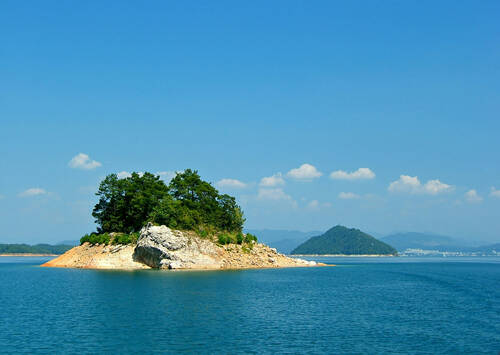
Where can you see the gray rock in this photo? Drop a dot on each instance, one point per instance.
(162, 247)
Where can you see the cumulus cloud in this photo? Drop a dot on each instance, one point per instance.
(231, 183)
(313, 205)
(412, 185)
(271, 181)
(360, 174)
(83, 161)
(348, 196)
(34, 191)
(495, 193)
(273, 194)
(123, 174)
(276, 194)
(304, 172)
(405, 184)
(167, 175)
(472, 196)
(434, 187)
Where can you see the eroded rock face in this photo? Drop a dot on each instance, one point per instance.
(162, 247)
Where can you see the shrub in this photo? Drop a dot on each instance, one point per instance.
(223, 239)
(203, 234)
(125, 238)
(239, 238)
(249, 238)
(106, 238)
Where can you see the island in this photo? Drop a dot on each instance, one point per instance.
(343, 241)
(144, 223)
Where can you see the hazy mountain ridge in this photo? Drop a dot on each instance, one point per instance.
(429, 241)
(34, 249)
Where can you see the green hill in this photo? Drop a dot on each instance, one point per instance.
(345, 241)
(34, 249)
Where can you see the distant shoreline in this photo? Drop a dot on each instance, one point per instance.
(27, 254)
(345, 255)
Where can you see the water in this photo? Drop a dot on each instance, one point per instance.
(362, 306)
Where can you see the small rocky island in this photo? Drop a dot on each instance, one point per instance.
(163, 248)
(185, 225)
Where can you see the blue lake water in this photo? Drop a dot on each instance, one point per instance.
(362, 306)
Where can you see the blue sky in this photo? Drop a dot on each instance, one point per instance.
(248, 90)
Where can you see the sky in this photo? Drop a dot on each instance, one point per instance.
(379, 115)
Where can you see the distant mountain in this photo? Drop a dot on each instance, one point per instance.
(346, 241)
(34, 249)
(69, 242)
(413, 240)
(283, 240)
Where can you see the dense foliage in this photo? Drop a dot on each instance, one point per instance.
(33, 249)
(342, 240)
(187, 203)
(125, 204)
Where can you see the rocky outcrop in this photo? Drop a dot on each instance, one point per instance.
(160, 247)
(164, 248)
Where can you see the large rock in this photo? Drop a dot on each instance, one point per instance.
(162, 247)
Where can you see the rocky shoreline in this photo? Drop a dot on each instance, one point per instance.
(160, 247)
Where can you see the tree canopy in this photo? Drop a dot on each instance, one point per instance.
(126, 205)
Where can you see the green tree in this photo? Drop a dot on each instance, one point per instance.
(125, 204)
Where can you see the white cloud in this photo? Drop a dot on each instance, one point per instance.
(83, 161)
(271, 181)
(360, 174)
(123, 174)
(348, 196)
(231, 183)
(434, 187)
(412, 185)
(472, 196)
(495, 193)
(167, 175)
(313, 205)
(34, 191)
(275, 195)
(304, 172)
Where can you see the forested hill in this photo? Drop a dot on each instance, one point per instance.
(345, 241)
(33, 249)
